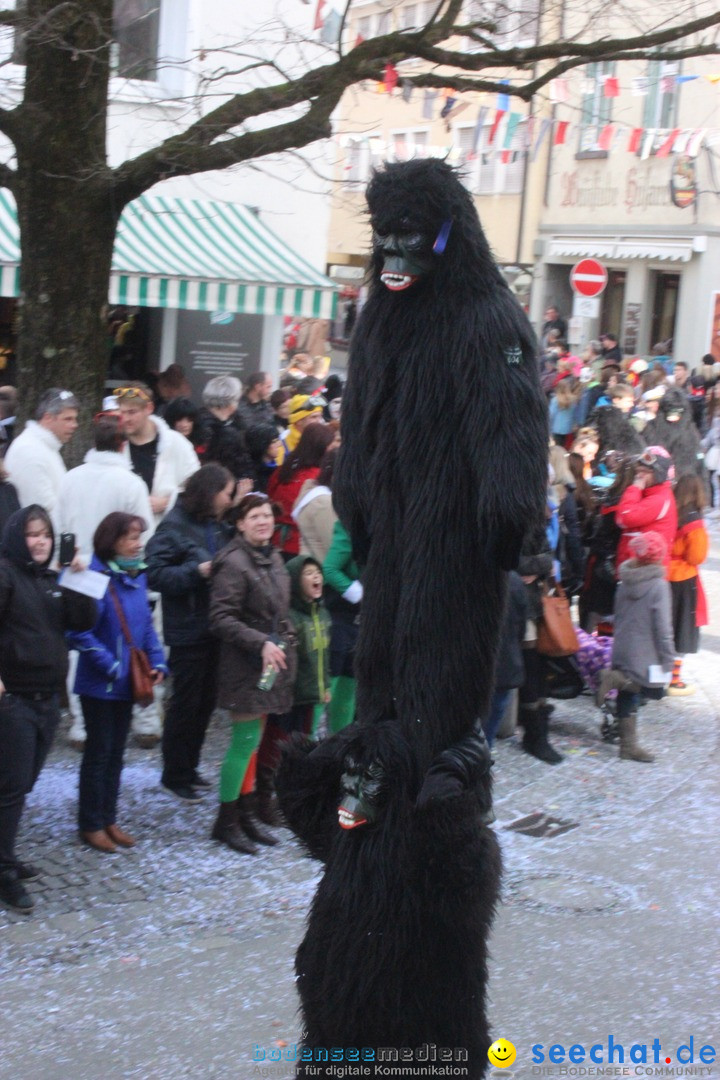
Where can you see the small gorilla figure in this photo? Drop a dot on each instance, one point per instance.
(442, 469)
(674, 429)
(615, 432)
(395, 953)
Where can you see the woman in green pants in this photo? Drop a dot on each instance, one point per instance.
(249, 604)
(343, 595)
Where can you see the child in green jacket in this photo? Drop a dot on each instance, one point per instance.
(312, 684)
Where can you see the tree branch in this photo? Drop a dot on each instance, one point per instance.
(10, 18)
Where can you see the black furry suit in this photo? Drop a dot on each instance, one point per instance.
(443, 467)
(679, 437)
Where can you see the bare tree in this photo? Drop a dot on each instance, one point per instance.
(69, 199)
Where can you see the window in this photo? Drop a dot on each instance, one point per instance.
(596, 109)
(136, 33)
(363, 154)
(516, 21)
(661, 101)
(483, 170)
(405, 145)
(136, 27)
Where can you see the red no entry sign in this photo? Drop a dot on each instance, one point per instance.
(588, 277)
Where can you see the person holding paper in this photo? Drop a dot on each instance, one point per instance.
(35, 612)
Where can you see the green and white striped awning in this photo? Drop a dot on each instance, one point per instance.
(196, 256)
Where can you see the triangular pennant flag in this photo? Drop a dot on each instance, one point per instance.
(640, 86)
(455, 112)
(528, 132)
(686, 78)
(407, 89)
(648, 143)
(390, 78)
(503, 101)
(667, 144)
(428, 109)
(477, 133)
(544, 128)
(513, 121)
(667, 84)
(606, 137)
(559, 90)
(505, 156)
(560, 132)
(713, 79)
(495, 125)
(330, 32)
(681, 142)
(634, 140)
(318, 20)
(359, 40)
(612, 87)
(447, 107)
(695, 142)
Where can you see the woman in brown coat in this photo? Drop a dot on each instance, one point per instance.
(249, 602)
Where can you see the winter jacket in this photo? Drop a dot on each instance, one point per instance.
(315, 517)
(103, 669)
(343, 591)
(35, 612)
(643, 633)
(651, 509)
(9, 503)
(173, 555)
(287, 535)
(312, 626)
(562, 421)
(176, 461)
(114, 486)
(689, 551)
(34, 465)
(249, 605)
(510, 667)
(224, 443)
(254, 413)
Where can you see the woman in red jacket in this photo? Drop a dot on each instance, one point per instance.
(285, 484)
(648, 504)
(689, 550)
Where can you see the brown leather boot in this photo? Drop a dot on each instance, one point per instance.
(629, 748)
(227, 830)
(119, 836)
(266, 804)
(99, 840)
(250, 826)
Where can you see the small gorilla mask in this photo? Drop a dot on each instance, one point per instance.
(363, 793)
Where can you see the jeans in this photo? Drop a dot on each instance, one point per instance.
(27, 728)
(107, 724)
(498, 705)
(192, 700)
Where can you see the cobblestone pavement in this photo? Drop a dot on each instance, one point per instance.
(174, 959)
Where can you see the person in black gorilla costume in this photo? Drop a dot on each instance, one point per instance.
(442, 469)
(615, 432)
(674, 429)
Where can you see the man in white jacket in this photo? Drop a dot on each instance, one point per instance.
(163, 458)
(33, 461)
(104, 483)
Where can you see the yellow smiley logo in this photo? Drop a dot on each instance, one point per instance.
(501, 1054)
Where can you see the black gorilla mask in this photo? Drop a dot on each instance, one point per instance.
(364, 792)
(407, 253)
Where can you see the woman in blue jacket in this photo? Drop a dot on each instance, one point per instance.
(103, 675)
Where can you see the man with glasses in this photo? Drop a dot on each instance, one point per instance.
(163, 458)
(34, 462)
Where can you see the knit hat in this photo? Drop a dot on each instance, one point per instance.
(648, 547)
(302, 405)
(258, 438)
(659, 461)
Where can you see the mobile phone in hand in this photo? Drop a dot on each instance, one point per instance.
(67, 549)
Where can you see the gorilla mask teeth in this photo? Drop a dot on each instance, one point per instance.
(348, 820)
(397, 282)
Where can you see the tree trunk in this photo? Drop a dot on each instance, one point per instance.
(66, 211)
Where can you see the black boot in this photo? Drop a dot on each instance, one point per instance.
(266, 804)
(227, 830)
(250, 826)
(535, 739)
(14, 894)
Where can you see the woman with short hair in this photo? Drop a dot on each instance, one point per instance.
(103, 678)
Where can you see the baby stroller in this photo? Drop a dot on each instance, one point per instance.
(594, 659)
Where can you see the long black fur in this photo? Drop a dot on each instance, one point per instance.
(395, 953)
(679, 437)
(443, 467)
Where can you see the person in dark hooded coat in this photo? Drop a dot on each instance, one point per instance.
(35, 613)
